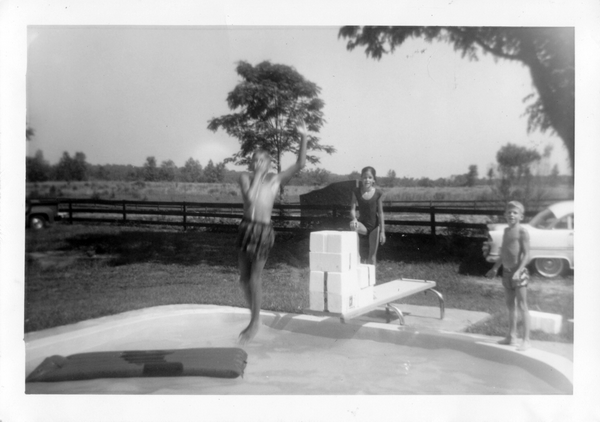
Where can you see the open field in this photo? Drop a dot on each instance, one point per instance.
(229, 192)
(150, 191)
(79, 272)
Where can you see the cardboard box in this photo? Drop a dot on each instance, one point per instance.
(341, 303)
(342, 242)
(333, 241)
(328, 241)
(548, 323)
(317, 282)
(335, 262)
(342, 283)
(366, 275)
(316, 301)
(318, 241)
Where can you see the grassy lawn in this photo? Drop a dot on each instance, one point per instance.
(79, 272)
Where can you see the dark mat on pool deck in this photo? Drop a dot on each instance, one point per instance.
(220, 362)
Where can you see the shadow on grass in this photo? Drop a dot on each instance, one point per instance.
(219, 248)
(423, 249)
(130, 247)
(191, 248)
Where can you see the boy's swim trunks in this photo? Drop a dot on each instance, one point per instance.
(256, 239)
(509, 283)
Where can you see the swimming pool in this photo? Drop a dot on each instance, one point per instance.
(302, 355)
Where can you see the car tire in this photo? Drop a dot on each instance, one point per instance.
(36, 222)
(549, 267)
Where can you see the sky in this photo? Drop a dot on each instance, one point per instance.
(121, 94)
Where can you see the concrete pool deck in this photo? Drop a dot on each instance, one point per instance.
(456, 320)
(300, 354)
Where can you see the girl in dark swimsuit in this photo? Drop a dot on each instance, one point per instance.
(370, 207)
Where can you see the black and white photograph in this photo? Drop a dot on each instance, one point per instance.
(267, 211)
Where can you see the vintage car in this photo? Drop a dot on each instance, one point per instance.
(551, 240)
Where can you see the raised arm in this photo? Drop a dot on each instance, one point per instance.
(287, 174)
(353, 203)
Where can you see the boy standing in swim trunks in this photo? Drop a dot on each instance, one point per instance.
(256, 235)
(514, 256)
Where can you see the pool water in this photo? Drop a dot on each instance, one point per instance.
(295, 354)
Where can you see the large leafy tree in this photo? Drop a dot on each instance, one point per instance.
(167, 171)
(266, 104)
(214, 173)
(71, 168)
(547, 52)
(514, 169)
(192, 171)
(37, 169)
(471, 176)
(150, 169)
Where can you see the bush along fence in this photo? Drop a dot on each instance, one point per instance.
(436, 218)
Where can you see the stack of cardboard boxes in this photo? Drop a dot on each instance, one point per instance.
(338, 281)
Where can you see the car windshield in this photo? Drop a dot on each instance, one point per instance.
(548, 221)
(543, 220)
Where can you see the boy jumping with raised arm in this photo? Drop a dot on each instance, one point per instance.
(514, 256)
(256, 235)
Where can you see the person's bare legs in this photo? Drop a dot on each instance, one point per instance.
(255, 296)
(361, 230)
(512, 317)
(521, 295)
(373, 245)
(245, 266)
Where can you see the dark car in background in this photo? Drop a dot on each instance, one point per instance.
(40, 213)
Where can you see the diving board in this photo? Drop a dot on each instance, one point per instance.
(386, 293)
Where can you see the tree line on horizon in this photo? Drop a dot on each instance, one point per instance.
(516, 169)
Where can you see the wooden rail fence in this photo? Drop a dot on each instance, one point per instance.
(286, 217)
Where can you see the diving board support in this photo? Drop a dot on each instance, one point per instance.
(393, 307)
(385, 294)
(441, 302)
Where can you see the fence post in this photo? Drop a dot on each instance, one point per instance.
(184, 217)
(70, 212)
(124, 211)
(432, 219)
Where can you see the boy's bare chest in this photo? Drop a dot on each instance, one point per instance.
(512, 238)
(267, 189)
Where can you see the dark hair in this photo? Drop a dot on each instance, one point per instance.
(371, 169)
